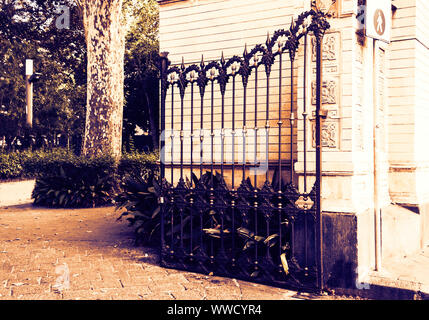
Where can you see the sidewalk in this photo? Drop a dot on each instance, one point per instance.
(410, 273)
(16, 192)
(37, 245)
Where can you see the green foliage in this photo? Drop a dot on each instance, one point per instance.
(35, 163)
(66, 180)
(28, 31)
(139, 197)
(27, 164)
(76, 182)
(136, 164)
(10, 166)
(141, 82)
(31, 164)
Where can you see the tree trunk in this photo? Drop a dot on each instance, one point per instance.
(105, 77)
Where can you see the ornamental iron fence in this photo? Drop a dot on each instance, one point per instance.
(217, 217)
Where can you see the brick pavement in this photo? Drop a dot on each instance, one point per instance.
(102, 262)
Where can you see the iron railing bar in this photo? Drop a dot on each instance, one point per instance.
(255, 205)
(164, 86)
(279, 197)
(202, 84)
(172, 133)
(201, 136)
(233, 171)
(222, 133)
(191, 200)
(212, 132)
(212, 170)
(244, 132)
(233, 133)
(267, 126)
(304, 114)
(192, 131)
(291, 120)
(181, 137)
(255, 147)
(280, 122)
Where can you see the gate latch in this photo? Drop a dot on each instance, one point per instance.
(323, 113)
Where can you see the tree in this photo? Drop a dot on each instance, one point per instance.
(105, 43)
(141, 73)
(28, 30)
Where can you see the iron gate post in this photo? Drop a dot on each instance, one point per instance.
(318, 186)
(163, 66)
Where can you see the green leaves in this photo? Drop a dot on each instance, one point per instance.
(251, 239)
(28, 31)
(215, 233)
(284, 263)
(139, 198)
(75, 182)
(141, 82)
(28, 164)
(201, 227)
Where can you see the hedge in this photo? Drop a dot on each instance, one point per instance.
(66, 180)
(76, 182)
(26, 164)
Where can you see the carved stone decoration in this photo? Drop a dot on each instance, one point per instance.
(330, 47)
(328, 6)
(329, 92)
(329, 134)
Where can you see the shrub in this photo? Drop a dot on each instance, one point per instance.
(75, 182)
(27, 164)
(35, 163)
(140, 199)
(138, 164)
(139, 196)
(10, 166)
(66, 180)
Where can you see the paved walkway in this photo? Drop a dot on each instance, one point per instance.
(16, 192)
(408, 272)
(41, 250)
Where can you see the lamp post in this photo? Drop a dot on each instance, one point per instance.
(30, 78)
(29, 92)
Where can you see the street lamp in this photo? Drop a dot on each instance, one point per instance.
(29, 92)
(30, 78)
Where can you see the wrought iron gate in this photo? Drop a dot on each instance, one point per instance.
(269, 232)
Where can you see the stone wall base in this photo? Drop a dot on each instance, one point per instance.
(400, 231)
(340, 254)
(349, 246)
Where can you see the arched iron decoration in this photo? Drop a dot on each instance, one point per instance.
(269, 233)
